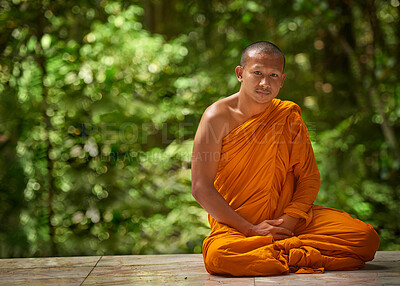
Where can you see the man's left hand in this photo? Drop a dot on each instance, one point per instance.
(289, 222)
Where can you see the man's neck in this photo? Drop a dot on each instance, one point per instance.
(248, 107)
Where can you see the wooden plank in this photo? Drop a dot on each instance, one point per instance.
(176, 269)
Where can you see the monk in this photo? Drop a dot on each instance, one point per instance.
(254, 172)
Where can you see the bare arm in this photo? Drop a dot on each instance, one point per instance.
(205, 160)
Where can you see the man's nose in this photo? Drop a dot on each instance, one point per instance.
(264, 82)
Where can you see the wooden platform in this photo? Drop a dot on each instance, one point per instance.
(181, 269)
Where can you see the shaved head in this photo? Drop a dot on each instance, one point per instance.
(263, 47)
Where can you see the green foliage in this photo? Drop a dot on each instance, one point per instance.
(100, 102)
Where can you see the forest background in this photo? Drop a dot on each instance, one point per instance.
(100, 101)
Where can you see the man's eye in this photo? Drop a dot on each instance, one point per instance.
(274, 75)
(257, 72)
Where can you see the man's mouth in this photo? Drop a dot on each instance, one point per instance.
(263, 91)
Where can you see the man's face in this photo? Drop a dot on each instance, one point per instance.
(262, 77)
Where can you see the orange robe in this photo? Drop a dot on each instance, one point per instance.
(268, 168)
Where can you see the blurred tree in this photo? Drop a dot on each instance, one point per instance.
(100, 102)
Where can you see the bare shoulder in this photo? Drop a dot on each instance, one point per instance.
(218, 110)
(218, 117)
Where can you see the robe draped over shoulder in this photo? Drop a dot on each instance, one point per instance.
(267, 168)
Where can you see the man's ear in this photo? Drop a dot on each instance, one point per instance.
(239, 73)
(283, 78)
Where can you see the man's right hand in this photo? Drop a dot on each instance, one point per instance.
(270, 228)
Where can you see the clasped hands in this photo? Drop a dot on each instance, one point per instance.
(280, 228)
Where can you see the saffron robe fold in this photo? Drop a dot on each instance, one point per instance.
(267, 168)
